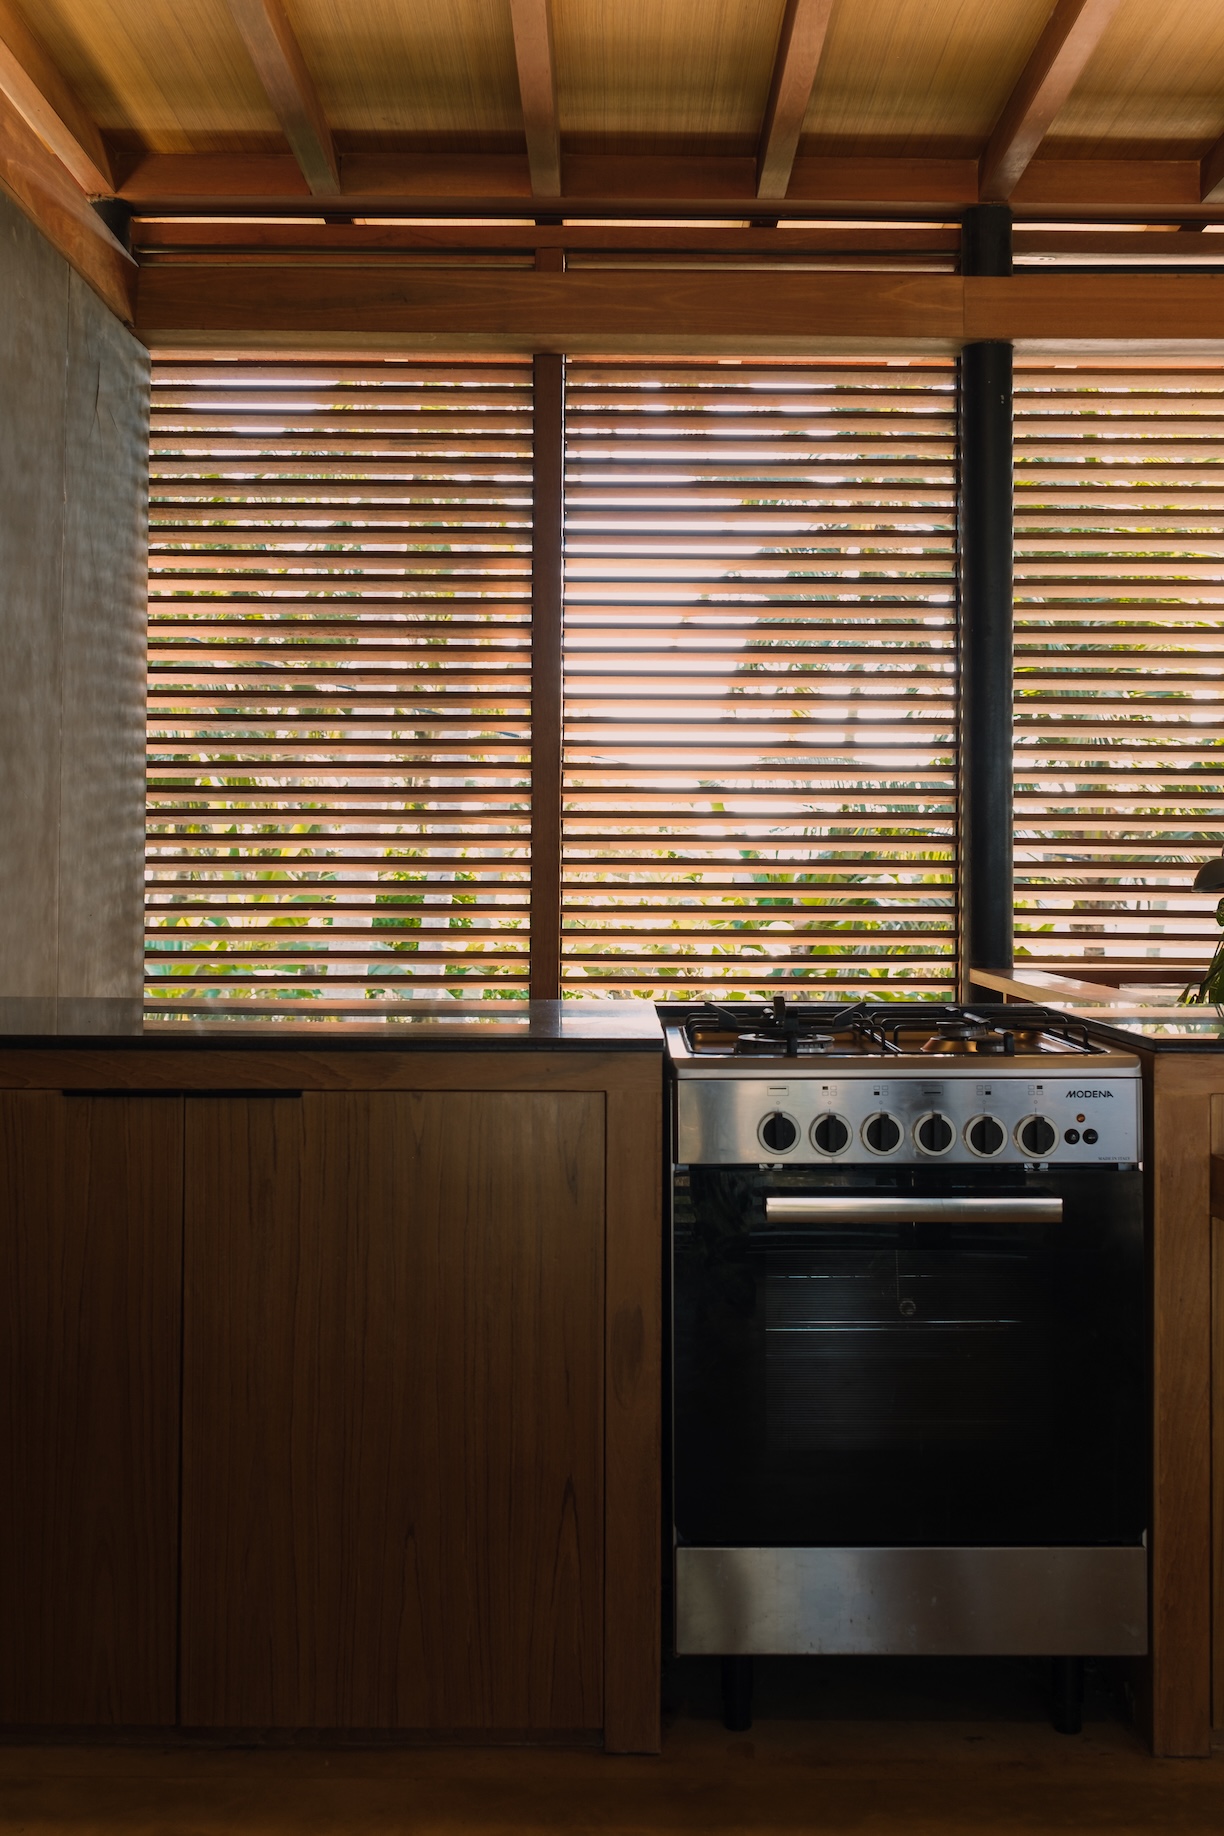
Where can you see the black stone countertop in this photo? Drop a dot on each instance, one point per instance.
(620, 1025)
(1184, 1030)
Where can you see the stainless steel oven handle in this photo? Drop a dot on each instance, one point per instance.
(854, 1210)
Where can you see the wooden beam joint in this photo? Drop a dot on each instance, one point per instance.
(42, 98)
(1211, 175)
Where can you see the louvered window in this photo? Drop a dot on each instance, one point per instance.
(339, 679)
(760, 679)
(1119, 663)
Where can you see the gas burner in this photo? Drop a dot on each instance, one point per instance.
(967, 1034)
(793, 1043)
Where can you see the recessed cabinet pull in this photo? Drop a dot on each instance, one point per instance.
(83, 1090)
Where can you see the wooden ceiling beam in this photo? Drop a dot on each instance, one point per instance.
(1211, 175)
(805, 26)
(537, 73)
(42, 98)
(632, 186)
(668, 313)
(157, 238)
(41, 186)
(289, 86)
(1072, 33)
(526, 310)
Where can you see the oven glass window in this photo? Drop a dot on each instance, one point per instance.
(910, 1383)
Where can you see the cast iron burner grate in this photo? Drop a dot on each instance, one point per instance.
(885, 1029)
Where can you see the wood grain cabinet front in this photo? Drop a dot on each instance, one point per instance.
(392, 1506)
(90, 1291)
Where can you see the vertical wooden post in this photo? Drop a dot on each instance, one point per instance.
(1178, 1127)
(632, 1427)
(986, 617)
(548, 496)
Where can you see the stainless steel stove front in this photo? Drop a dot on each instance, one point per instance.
(970, 1114)
(908, 1380)
(948, 1602)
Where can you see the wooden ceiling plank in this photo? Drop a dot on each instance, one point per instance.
(537, 72)
(278, 60)
(801, 43)
(34, 86)
(1072, 33)
(1211, 174)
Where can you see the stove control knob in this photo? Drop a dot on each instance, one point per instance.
(934, 1133)
(985, 1136)
(830, 1133)
(881, 1132)
(1036, 1136)
(778, 1132)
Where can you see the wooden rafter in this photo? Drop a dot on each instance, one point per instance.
(278, 59)
(44, 101)
(533, 50)
(801, 44)
(1072, 33)
(41, 185)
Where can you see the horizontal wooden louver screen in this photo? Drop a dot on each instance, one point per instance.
(1119, 664)
(759, 679)
(339, 679)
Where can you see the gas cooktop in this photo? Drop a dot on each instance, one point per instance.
(872, 1030)
(911, 1084)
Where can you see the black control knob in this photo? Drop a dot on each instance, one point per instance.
(778, 1132)
(934, 1134)
(986, 1136)
(830, 1134)
(1037, 1136)
(881, 1133)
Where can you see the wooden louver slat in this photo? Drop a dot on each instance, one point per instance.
(759, 774)
(339, 685)
(1119, 759)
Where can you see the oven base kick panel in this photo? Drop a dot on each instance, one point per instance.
(958, 1602)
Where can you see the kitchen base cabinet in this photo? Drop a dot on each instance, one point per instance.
(90, 1292)
(393, 1411)
(332, 1390)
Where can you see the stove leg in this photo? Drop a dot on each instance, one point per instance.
(737, 1693)
(1067, 1695)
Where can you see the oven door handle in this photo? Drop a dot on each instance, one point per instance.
(854, 1210)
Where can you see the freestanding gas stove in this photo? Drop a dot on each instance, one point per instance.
(908, 1334)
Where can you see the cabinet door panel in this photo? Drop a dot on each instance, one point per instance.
(90, 1298)
(393, 1411)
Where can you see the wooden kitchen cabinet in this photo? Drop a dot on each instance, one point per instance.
(393, 1417)
(90, 1287)
(331, 1389)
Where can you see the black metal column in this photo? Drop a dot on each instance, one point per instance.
(985, 571)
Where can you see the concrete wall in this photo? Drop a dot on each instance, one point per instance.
(74, 418)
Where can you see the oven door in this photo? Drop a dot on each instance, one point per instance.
(902, 1363)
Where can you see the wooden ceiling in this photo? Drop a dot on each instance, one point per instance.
(1067, 109)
